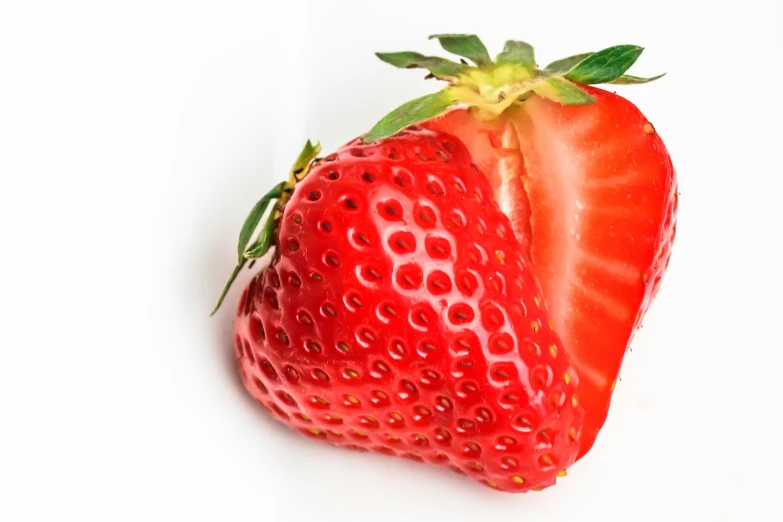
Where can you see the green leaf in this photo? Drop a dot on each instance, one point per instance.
(251, 221)
(254, 218)
(562, 91)
(517, 52)
(281, 192)
(230, 281)
(627, 79)
(308, 154)
(409, 60)
(466, 45)
(407, 114)
(263, 242)
(250, 224)
(605, 66)
(564, 65)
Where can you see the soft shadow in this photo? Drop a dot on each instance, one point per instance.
(210, 253)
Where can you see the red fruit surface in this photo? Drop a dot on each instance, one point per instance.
(592, 195)
(400, 315)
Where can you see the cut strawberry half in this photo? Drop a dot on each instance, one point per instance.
(584, 177)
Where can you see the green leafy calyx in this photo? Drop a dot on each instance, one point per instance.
(491, 87)
(280, 194)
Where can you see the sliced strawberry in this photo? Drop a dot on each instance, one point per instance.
(586, 181)
(592, 190)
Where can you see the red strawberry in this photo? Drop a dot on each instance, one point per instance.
(585, 179)
(399, 315)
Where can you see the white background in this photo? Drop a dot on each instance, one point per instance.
(134, 138)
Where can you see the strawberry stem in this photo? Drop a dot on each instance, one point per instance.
(492, 87)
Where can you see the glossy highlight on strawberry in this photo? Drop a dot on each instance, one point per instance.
(400, 315)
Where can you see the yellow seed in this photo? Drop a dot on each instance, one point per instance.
(572, 433)
(351, 373)
(517, 479)
(361, 434)
(553, 350)
(336, 433)
(492, 484)
(534, 326)
(396, 416)
(574, 401)
(537, 301)
(315, 431)
(501, 258)
(476, 466)
(613, 385)
(567, 378)
(304, 417)
(648, 128)
(562, 473)
(352, 399)
(551, 326)
(393, 437)
(538, 489)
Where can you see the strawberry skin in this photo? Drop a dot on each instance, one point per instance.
(592, 192)
(400, 315)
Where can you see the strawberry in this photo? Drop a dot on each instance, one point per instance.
(399, 315)
(584, 178)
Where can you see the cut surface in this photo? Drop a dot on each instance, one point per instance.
(591, 192)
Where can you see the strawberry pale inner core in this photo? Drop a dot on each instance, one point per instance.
(581, 206)
(506, 150)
